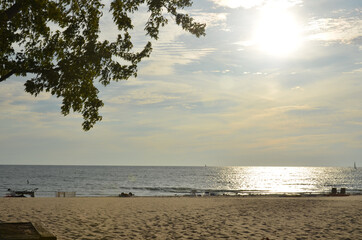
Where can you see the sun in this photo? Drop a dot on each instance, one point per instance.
(277, 32)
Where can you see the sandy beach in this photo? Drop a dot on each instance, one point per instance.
(191, 217)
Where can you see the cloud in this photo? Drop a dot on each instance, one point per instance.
(341, 29)
(211, 19)
(254, 3)
(152, 94)
(297, 88)
(26, 113)
(169, 50)
(14, 101)
(141, 97)
(169, 55)
(239, 3)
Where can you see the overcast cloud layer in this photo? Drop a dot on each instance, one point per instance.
(216, 100)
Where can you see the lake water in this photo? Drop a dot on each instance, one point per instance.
(170, 181)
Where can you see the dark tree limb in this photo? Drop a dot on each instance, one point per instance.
(13, 10)
(6, 76)
(35, 71)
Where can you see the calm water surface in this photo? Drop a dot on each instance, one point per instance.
(170, 181)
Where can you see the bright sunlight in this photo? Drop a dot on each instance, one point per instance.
(277, 32)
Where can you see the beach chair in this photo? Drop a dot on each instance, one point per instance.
(24, 230)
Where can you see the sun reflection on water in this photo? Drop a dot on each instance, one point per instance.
(272, 179)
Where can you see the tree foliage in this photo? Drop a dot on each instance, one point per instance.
(57, 44)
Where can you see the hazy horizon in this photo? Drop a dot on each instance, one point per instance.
(246, 166)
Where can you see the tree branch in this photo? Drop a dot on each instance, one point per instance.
(13, 10)
(6, 76)
(35, 71)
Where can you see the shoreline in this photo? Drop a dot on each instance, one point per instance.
(177, 217)
(198, 195)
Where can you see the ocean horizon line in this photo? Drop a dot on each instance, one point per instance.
(220, 166)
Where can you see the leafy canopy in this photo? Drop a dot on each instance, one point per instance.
(57, 43)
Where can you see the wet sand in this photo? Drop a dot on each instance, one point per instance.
(191, 217)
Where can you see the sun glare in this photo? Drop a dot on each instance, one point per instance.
(277, 32)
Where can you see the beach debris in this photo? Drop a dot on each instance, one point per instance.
(126, 194)
(65, 194)
(193, 193)
(207, 193)
(14, 193)
(334, 192)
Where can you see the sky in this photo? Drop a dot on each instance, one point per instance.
(273, 83)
